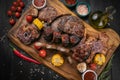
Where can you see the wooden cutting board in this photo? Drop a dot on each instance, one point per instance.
(66, 70)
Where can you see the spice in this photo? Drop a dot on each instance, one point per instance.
(17, 53)
(71, 2)
(82, 9)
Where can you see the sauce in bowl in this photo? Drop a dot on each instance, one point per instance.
(39, 3)
(89, 75)
(70, 2)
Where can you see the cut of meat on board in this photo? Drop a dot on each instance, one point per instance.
(89, 46)
(47, 14)
(69, 24)
(28, 33)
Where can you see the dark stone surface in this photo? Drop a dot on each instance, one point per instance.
(14, 68)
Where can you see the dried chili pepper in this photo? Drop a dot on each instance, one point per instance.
(17, 53)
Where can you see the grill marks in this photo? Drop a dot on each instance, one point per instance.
(89, 46)
(67, 30)
(47, 14)
(28, 33)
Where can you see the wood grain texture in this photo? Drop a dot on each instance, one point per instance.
(66, 70)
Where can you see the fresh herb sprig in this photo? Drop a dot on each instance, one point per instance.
(105, 75)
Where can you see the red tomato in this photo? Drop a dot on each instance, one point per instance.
(15, 3)
(13, 8)
(22, 4)
(93, 66)
(42, 53)
(29, 18)
(9, 13)
(17, 14)
(19, 9)
(11, 21)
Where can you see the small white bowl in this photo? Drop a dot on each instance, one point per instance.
(89, 71)
(37, 7)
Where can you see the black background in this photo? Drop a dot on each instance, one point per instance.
(14, 68)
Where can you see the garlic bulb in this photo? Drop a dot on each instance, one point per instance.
(82, 67)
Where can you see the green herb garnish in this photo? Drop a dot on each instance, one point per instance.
(105, 75)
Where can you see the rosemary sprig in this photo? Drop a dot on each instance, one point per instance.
(104, 75)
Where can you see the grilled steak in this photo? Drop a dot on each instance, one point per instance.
(89, 46)
(67, 30)
(47, 14)
(27, 33)
(70, 25)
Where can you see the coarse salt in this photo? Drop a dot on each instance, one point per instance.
(82, 10)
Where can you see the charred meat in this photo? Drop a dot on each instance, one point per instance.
(86, 50)
(70, 25)
(48, 34)
(56, 37)
(27, 33)
(47, 14)
(67, 29)
(65, 40)
(74, 40)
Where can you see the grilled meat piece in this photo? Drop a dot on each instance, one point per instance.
(74, 40)
(47, 14)
(65, 40)
(99, 46)
(89, 46)
(70, 25)
(56, 37)
(28, 33)
(48, 34)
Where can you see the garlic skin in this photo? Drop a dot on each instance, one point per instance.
(70, 59)
(82, 67)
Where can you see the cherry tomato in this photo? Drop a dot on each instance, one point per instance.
(12, 21)
(15, 3)
(13, 8)
(93, 66)
(22, 4)
(29, 18)
(42, 53)
(19, 9)
(17, 14)
(9, 13)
